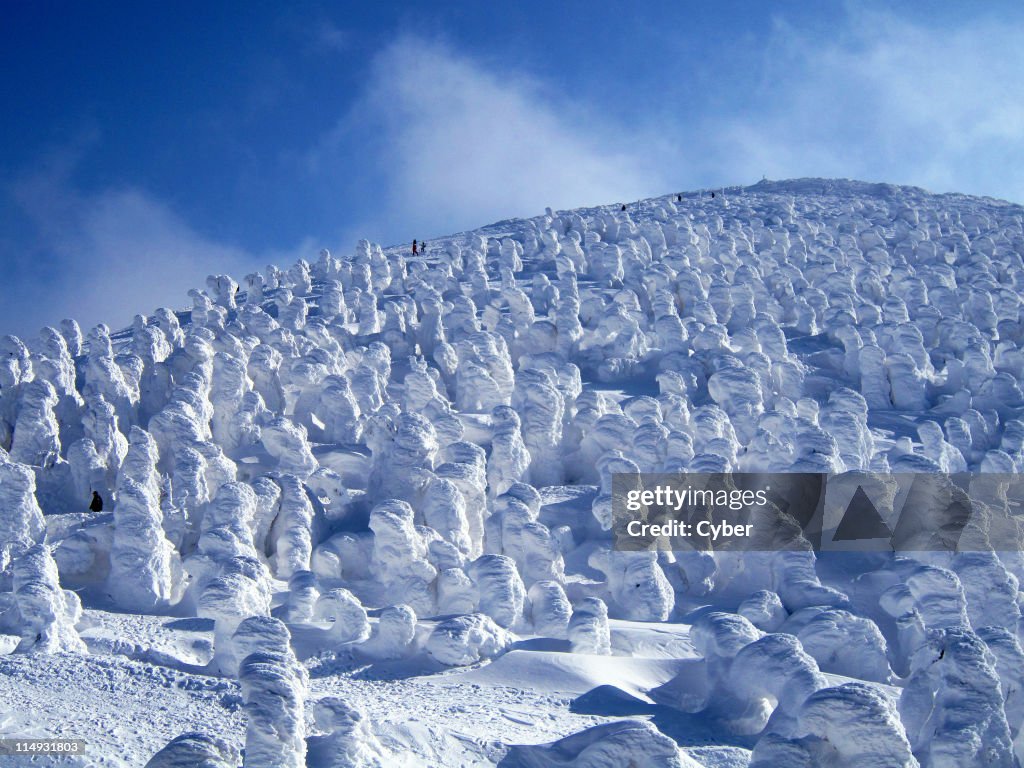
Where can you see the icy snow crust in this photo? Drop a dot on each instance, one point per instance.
(357, 511)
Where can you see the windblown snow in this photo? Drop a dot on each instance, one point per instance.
(358, 511)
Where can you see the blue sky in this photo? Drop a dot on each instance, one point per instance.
(146, 145)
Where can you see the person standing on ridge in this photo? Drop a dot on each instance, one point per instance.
(423, 247)
(96, 505)
(623, 206)
(414, 251)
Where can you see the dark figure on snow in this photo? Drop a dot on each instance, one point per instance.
(96, 505)
(623, 206)
(712, 195)
(414, 251)
(679, 198)
(423, 247)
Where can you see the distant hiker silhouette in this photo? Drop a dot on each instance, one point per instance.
(623, 206)
(423, 247)
(97, 503)
(679, 198)
(414, 251)
(712, 194)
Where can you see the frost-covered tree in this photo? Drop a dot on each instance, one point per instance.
(588, 627)
(509, 459)
(259, 634)
(233, 589)
(292, 532)
(467, 639)
(142, 561)
(637, 586)
(350, 740)
(394, 633)
(36, 439)
(550, 609)
(303, 594)
(444, 510)
(345, 615)
(400, 556)
(846, 726)
(952, 705)
(288, 443)
(21, 519)
(274, 688)
(45, 614)
(500, 589)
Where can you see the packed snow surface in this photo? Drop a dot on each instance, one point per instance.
(357, 512)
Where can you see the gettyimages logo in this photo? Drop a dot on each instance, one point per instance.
(852, 511)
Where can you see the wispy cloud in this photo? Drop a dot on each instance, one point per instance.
(884, 98)
(328, 37)
(456, 142)
(459, 143)
(102, 257)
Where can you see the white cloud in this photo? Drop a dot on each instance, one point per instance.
(104, 257)
(457, 142)
(460, 144)
(886, 99)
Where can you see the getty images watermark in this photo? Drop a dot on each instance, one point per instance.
(851, 511)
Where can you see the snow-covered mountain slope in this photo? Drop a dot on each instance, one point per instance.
(357, 513)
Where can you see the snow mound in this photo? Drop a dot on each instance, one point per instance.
(195, 750)
(466, 640)
(626, 742)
